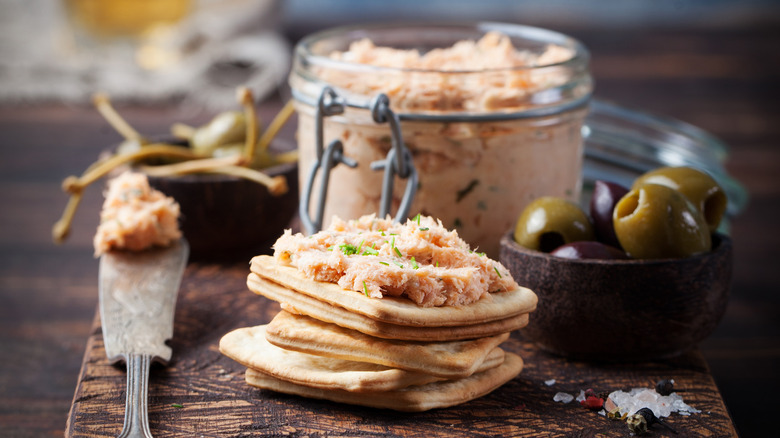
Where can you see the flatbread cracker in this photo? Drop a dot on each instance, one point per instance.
(453, 359)
(249, 347)
(295, 302)
(398, 311)
(410, 399)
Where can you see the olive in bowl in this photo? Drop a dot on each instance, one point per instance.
(622, 310)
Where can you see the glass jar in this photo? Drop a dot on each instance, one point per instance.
(485, 138)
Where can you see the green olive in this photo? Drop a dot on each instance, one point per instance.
(699, 187)
(654, 222)
(226, 128)
(548, 222)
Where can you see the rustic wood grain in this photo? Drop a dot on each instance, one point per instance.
(216, 401)
(48, 293)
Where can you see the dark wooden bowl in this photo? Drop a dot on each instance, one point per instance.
(224, 216)
(622, 310)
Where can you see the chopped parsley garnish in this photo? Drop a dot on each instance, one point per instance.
(348, 249)
(400, 265)
(414, 264)
(499, 274)
(370, 251)
(417, 218)
(365, 288)
(177, 405)
(385, 263)
(424, 228)
(360, 246)
(437, 264)
(398, 252)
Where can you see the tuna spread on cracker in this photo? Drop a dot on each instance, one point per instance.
(420, 260)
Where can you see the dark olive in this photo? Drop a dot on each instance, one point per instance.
(602, 203)
(548, 222)
(700, 188)
(654, 221)
(588, 249)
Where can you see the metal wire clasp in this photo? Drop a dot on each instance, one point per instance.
(398, 161)
(327, 105)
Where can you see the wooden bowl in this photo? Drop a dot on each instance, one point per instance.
(622, 310)
(225, 216)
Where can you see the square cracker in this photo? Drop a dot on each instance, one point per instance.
(399, 311)
(299, 303)
(415, 398)
(249, 347)
(452, 359)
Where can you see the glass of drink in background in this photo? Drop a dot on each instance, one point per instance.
(136, 28)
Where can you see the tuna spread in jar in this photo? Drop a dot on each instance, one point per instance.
(420, 260)
(492, 115)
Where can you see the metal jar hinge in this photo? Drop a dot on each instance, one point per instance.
(398, 161)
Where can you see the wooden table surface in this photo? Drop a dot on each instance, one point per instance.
(723, 81)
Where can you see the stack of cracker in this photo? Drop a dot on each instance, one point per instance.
(338, 344)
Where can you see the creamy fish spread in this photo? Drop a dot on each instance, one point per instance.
(476, 176)
(135, 216)
(420, 260)
(506, 78)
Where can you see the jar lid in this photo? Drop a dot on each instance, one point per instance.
(622, 143)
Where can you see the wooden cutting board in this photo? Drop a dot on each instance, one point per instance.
(202, 393)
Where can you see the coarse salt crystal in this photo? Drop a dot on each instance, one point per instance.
(563, 397)
(550, 382)
(662, 406)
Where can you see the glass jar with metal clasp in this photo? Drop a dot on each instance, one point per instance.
(469, 143)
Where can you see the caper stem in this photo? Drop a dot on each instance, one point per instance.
(276, 185)
(192, 166)
(276, 125)
(61, 228)
(180, 130)
(246, 99)
(73, 184)
(103, 105)
(286, 157)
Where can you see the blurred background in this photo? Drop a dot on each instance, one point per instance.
(712, 63)
(198, 50)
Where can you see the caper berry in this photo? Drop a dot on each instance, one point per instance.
(588, 249)
(225, 128)
(654, 221)
(699, 187)
(549, 222)
(602, 203)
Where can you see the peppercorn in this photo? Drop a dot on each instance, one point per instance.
(592, 401)
(666, 387)
(636, 423)
(616, 415)
(643, 419)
